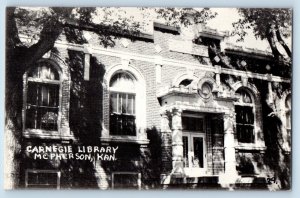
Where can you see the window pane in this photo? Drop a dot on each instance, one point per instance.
(122, 124)
(42, 180)
(53, 95)
(128, 125)
(44, 95)
(198, 161)
(244, 114)
(185, 151)
(44, 72)
(244, 96)
(244, 124)
(32, 93)
(192, 124)
(122, 81)
(114, 102)
(42, 106)
(123, 103)
(185, 83)
(131, 104)
(245, 134)
(248, 115)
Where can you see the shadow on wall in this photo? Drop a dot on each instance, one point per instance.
(275, 157)
(85, 99)
(135, 158)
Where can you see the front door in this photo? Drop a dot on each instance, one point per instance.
(194, 153)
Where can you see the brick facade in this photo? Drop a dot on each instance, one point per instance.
(85, 110)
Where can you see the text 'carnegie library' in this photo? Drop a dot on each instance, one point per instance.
(89, 153)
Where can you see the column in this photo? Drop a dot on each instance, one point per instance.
(158, 66)
(177, 144)
(87, 58)
(218, 73)
(166, 142)
(229, 148)
(270, 91)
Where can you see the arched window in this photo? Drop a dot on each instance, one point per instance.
(42, 98)
(244, 109)
(185, 83)
(122, 104)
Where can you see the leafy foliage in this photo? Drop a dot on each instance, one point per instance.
(270, 24)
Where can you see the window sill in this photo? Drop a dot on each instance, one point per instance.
(125, 139)
(44, 134)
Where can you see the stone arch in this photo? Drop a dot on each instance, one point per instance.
(250, 88)
(185, 76)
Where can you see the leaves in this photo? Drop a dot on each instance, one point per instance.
(269, 24)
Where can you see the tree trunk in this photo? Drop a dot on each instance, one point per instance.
(18, 59)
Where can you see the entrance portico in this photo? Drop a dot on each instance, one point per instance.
(200, 146)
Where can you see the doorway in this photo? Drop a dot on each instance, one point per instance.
(194, 145)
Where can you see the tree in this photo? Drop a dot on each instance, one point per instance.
(46, 25)
(271, 24)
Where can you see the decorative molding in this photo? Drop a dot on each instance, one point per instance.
(168, 61)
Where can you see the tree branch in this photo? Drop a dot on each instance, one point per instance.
(270, 37)
(282, 42)
(48, 36)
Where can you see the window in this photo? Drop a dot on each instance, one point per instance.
(42, 101)
(190, 123)
(122, 105)
(185, 83)
(126, 180)
(244, 110)
(288, 117)
(42, 179)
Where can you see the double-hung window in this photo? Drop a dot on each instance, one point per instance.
(244, 110)
(122, 105)
(42, 101)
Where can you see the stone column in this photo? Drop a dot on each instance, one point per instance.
(229, 149)
(87, 59)
(166, 142)
(177, 144)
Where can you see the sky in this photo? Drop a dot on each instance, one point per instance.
(223, 22)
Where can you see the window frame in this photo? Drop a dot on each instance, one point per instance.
(42, 133)
(141, 90)
(254, 111)
(119, 91)
(37, 171)
(139, 177)
(125, 114)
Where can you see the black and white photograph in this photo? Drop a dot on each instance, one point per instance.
(148, 98)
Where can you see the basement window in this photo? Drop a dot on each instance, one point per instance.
(126, 180)
(42, 179)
